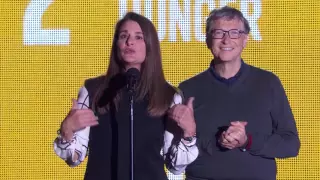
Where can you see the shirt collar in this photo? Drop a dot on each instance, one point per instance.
(222, 79)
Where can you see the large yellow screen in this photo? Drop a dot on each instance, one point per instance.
(49, 47)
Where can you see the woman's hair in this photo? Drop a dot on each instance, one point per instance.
(152, 85)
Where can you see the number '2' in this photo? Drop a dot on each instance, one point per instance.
(33, 34)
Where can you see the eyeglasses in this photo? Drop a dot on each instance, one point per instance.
(233, 33)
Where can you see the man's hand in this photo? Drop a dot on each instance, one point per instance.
(235, 136)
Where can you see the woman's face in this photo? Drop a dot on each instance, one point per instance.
(131, 45)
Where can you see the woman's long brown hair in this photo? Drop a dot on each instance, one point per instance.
(152, 85)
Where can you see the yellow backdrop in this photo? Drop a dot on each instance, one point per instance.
(49, 47)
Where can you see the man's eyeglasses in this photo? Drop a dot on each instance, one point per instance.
(233, 33)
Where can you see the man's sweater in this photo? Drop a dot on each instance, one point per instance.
(255, 96)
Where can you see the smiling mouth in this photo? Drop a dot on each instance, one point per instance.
(226, 49)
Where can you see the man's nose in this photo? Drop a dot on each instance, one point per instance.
(226, 37)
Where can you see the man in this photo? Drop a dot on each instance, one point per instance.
(243, 116)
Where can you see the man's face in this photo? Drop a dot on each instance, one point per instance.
(227, 49)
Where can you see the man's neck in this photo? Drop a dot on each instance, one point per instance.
(227, 69)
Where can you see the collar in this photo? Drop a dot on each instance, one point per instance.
(224, 80)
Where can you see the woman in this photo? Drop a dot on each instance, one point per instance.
(100, 116)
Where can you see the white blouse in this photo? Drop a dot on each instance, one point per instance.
(180, 154)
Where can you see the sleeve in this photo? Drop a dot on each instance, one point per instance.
(79, 143)
(177, 153)
(284, 141)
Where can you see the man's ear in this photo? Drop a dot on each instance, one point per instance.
(208, 42)
(245, 40)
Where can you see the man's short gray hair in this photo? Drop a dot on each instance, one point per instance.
(227, 13)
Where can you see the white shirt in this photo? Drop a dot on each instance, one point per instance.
(180, 155)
